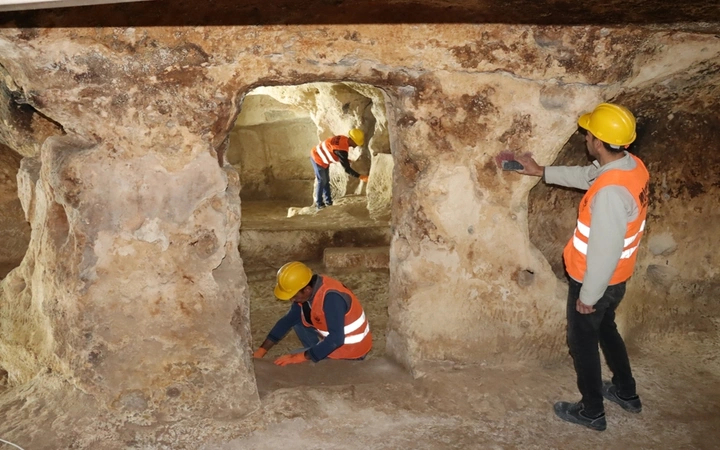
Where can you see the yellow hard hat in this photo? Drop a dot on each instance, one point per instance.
(292, 277)
(357, 135)
(611, 123)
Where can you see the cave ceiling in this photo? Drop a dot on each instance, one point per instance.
(696, 15)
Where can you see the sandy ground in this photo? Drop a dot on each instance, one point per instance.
(376, 404)
(347, 212)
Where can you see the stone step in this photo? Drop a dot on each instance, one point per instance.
(276, 247)
(357, 257)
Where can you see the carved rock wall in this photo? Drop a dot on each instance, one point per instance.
(133, 278)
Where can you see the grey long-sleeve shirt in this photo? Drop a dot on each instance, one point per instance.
(612, 208)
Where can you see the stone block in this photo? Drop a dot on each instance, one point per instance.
(357, 257)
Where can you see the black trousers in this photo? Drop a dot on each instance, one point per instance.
(584, 333)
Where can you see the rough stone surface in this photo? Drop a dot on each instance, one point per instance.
(356, 258)
(677, 275)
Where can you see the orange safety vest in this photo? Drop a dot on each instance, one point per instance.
(358, 339)
(636, 181)
(324, 153)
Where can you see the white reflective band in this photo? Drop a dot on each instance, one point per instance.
(582, 248)
(328, 153)
(628, 253)
(630, 240)
(355, 325)
(319, 152)
(579, 245)
(583, 229)
(350, 328)
(357, 337)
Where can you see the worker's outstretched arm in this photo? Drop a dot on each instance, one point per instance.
(263, 349)
(579, 177)
(345, 162)
(281, 328)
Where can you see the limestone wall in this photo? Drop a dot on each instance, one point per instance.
(133, 280)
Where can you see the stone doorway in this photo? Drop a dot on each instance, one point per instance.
(270, 148)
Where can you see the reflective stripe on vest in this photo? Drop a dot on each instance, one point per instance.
(325, 153)
(584, 230)
(349, 329)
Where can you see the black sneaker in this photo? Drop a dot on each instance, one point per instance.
(319, 207)
(575, 413)
(632, 404)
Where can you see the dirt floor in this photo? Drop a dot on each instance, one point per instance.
(347, 212)
(374, 405)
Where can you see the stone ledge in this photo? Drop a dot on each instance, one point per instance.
(357, 257)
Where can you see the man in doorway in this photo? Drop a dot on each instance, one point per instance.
(331, 150)
(599, 259)
(321, 307)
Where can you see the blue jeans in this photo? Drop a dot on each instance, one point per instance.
(308, 337)
(584, 333)
(322, 190)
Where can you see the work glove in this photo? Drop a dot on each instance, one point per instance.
(296, 358)
(259, 353)
(363, 178)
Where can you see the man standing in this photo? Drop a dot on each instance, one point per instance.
(334, 149)
(321, 307)
(599, 259)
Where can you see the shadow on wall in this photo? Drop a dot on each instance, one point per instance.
(14, 229)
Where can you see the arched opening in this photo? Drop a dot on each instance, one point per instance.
(270, 147)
